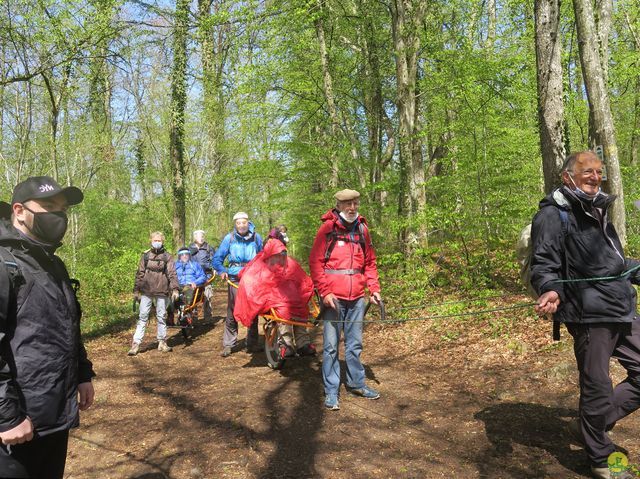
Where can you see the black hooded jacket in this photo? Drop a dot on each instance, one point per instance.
(42, 358)
(587, 247)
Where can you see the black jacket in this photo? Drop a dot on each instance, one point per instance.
(42, 358)
(203, 255)
(587, 247)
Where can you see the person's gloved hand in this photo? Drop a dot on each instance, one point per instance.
(175, 295)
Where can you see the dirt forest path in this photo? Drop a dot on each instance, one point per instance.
(469, 405)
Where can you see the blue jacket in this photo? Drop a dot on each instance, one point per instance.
(237, 250)
(190, 272)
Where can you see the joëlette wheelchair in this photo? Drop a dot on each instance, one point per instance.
(183, 314)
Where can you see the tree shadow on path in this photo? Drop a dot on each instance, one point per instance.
(296, 417)
(534, 426)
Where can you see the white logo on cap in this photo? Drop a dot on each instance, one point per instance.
(44, 188)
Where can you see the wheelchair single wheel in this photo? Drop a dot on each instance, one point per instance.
(272, 345)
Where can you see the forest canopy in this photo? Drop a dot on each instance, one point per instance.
(173, 115)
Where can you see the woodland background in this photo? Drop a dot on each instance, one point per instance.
(451, 118)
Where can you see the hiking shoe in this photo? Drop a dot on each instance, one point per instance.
(331, 402)
(307, 350)
(163, 347)
(365, 392)
(605, 473)
(135, 347)
(226, 352)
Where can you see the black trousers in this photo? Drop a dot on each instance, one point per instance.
(601, 405)
(230, 334)
(41, 458)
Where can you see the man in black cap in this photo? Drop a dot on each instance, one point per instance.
(45, 376)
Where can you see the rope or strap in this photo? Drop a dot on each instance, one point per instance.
(599, 278)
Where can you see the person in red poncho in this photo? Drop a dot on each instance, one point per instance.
(273, 280)
(342, 264)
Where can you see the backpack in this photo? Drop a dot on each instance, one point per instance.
(333, 237)
(8, 281)
(145, 259)
(524, 253)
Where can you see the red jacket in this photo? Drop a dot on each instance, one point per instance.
(343, 269)
(282, 285)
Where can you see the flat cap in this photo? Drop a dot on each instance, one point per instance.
(346, 195)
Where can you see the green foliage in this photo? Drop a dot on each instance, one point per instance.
(259, 137)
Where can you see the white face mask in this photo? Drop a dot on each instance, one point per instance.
(583, 194)
(348, 217)
(156, 244)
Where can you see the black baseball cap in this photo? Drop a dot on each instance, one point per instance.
(40, 187)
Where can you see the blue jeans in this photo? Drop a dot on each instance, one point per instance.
(348, 318)
(161, 313)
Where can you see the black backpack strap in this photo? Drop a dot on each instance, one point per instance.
(564, 220)
(10, 275)
(332, 239)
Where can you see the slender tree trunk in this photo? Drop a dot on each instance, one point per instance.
(492, 18)
(54, 103)
(178, 103)
(604, 9)
(550, 91)
(406, 16)
(214, 47)
(100, 99)
(327, 83)
(604, 132)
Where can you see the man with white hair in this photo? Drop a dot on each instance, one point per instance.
(238, 247)
(202, 253)
(343, 264)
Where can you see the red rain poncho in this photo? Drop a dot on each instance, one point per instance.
(273, 280)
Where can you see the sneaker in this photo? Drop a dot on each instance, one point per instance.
(135, 347)
(331, 402)
(163, 347)
(365, 392)
(286, 352)
(605, 473)
(226, 352)
(307, 350)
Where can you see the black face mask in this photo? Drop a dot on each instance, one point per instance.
(49, 226)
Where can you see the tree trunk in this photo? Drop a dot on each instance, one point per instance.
(100, 99)
(214, 48)
(604, 9)
(491, 23)
(178, 103)
(327, 83)
(603, 128)
(550, 94)
(406, 17)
